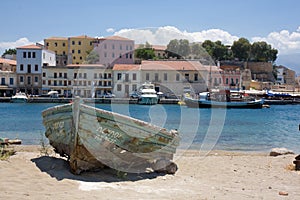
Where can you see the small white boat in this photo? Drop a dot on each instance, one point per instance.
(148, 95)
(20, 97)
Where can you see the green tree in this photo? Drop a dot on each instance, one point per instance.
(263, 52)
(145, 52)
(216, 50)
(92, 58)
(241, 49)
(9, 52)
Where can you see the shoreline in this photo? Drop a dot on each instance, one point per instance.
(217, 175)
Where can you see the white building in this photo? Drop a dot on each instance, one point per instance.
(30, 60)
(127, 78)
(84, 80)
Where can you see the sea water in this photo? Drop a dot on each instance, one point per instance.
(203, 129)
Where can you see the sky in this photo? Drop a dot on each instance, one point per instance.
(157, 21)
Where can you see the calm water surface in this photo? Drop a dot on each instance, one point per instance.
(224, 129)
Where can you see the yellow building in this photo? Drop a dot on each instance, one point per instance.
(70, 50)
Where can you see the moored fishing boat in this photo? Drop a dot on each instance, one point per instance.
(148, 95)
(221, 100)
(93, 138)
(19, 97)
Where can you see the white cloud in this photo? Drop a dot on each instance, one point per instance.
(110, 30)
(163, 35)
(284, 41)
(15, 44)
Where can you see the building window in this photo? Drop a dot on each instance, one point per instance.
(73, 51)
(55, 75)
(119, 76)
(85, 75)
(36, 79)
(79, 42)
(134, 76)
(80, 75)
(24, 54)
(119, 87)
(165, 76)
(36, 68)
(187, 77)
(55, 44)
(28, 80)
(44, 55)
(196, 77)
(49, 82)
(120, 56)
(73, 42)
(65, 75)
(105, 54)
(126, 77)
(74, 58)
(130, 56)
(47, 44)
(60, 75)
(177, 77)
(55, 83)
(79, 51)
(75, 75)
(134, 87)
(64, 53)
(33, 54)
(21, 79)
(113, 55)
(156, 76)
(126, 55)
(95, 75)
(44, 82)
(28, 68)
(105, 46)
(237, 81)
(113, 46)
(2, 81)
(29, 54)
(120, 47)
(63, 44)
(21, 67)
(147, 76)
(226, 80)
(44, 74)
(11, 81)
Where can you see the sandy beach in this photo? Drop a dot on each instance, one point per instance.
(218, 175)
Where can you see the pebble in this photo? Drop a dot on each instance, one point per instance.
(283, 193)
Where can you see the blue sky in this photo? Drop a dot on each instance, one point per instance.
(276, 22)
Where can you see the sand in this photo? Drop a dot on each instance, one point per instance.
(218, 175)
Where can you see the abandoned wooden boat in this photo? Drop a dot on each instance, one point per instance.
(93, 138)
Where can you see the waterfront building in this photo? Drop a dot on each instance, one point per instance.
(173, 78)
(8, 83)
(30, 60)
(114, 50)
(8, 65)
(126, 78)
(84, 80)
(70, 50)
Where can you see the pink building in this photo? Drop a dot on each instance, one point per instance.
(115, 50)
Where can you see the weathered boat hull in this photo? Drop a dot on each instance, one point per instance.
(195, 103)
(93, 138)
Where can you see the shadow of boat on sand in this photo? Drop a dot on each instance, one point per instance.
(59, 168)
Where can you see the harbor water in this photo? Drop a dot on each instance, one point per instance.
(202, 129)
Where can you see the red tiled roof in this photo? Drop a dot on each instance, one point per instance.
(32, 46)
(126, 67)
(86, 65)
(177, 65)
(115, 37)
(8, 61)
